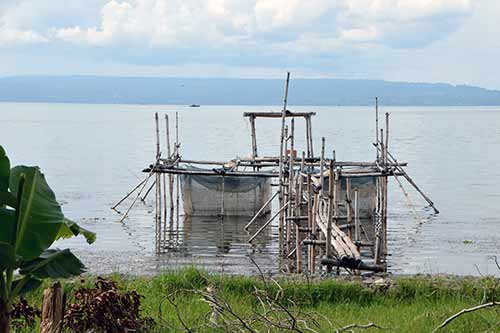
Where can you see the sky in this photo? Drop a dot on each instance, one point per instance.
(452, 41)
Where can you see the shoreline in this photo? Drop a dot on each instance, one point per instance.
(397, 304)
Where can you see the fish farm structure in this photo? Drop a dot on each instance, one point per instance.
(331, 215)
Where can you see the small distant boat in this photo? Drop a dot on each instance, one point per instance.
(194, 106)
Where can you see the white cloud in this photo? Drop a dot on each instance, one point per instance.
(270, 23)
(15, 37)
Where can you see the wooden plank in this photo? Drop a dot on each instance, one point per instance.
(288, 114)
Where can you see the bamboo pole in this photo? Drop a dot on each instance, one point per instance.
(322, 167)
(137, 196)
(393, 162)
(158, 153)
(170, 178)
(254, 218)
(290, 187)
(268, 222)
(281, 166)
(316, 201)
(309, 220)
(357, 236)
(158, 213)
(254, 138)
(143, 199)
(298, 212)
(376, 125)
(310, 149)
(177, 193)
(348, 202)
(129, 193)
(330, 216)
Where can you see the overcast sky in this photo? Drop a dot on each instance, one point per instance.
(456, 41)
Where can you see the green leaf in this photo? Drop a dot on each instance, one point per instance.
(4, 170)
(53, 264)
(25, 285)
(6, 224)
(70, 229)
(40, 216)
(7, 256)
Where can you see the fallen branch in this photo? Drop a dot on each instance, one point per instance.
(464, 311)
(351, 326)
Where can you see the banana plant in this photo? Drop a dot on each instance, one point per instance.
(31, 220)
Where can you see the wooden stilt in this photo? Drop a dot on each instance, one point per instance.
(331, 199)
(348, 204)
(357, 227)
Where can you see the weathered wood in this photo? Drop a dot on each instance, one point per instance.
(254, 138)
(331, 199)
(170, 178)
(353, 265)
(52, 309)
(357, 236)
(184, 171)
(281, 167)
(158, 152)
(129, 193)
(348, 202)
(288, 113)
(268, 222)
(376, 126)
(158, 213)
(291, 208)
(254, 218)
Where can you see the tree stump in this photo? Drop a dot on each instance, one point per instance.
(52, 309)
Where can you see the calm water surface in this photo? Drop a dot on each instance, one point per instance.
(93, 154)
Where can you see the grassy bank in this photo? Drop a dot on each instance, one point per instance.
(407, 304)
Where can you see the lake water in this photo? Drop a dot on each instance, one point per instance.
(93, 154)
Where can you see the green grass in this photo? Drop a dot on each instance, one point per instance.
(410, 304)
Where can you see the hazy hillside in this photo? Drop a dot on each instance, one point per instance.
(95, 89)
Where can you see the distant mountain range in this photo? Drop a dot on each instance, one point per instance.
(185, 91)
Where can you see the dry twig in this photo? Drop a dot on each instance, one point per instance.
(464, 311)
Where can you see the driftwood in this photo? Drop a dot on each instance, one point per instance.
(52, 309)
(359, 326)
(464, 311)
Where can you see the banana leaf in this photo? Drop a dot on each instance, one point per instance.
(53, 264)
(40, 215)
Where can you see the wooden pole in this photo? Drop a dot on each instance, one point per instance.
(311, 148)
(260, 211)
(298, 212)
(129, 193)
(143, 199)
(348, 202)
(309, 219)
(137, 196)
(177, 132)
(254, 138)
(268, 222)
(158, 213)
(357, 235)
(321, 166)
(386, 134)
(291, 208)
(308, 147)
(53, 304)
(281, 166)
(157, 137)
(170, 178)
(330, 215)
